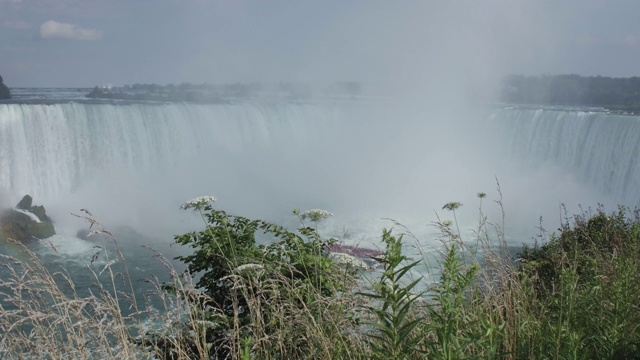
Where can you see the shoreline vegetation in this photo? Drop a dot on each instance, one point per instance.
(5, 93)
(224, 93)
(621, 95)
(572, 294)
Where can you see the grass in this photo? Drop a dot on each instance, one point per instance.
(573, 296)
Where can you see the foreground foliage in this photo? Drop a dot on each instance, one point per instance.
(586, 283)
(276, 299)
(255, 290)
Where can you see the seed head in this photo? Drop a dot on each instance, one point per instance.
(197, 203)
(315, 215)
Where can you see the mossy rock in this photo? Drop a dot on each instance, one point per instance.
(19, 226)
(13, 225)
(41, 230)
(40, 212)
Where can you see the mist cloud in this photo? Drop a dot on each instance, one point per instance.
(56, 30)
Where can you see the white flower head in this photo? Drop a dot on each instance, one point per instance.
(349, 260)
(249, 267)
(315, 215)
(249, 270)
(197, 203)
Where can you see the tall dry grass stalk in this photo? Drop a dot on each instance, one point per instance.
(44, 317)
(575, 296)
(44, 314)
(289, 322)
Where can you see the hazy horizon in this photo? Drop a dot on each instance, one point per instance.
(434, 52)
(408, 47)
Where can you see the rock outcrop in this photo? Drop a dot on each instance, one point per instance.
(26, 222)
(4, 90)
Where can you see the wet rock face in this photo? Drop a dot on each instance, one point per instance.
(41, 213)
(26, 222)
(25, 203)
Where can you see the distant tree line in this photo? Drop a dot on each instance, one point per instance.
(220, 93)
(621, 94)
(152, 94)
(4, 90)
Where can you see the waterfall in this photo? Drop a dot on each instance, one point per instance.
(599, 148)
(48, 150)
(368, 160)
(261, 158)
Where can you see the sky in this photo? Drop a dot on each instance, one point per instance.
(410, 45)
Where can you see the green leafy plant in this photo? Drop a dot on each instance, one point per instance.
(585, 280)
(394, 335)
(229, 242)
(447, 318)
(255, 285)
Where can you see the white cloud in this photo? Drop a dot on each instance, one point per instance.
(56, 30)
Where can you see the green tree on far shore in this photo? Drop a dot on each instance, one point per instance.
(4, 90)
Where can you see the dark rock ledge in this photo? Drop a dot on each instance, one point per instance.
(26, 222)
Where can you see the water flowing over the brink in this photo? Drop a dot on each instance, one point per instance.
(264, 159)
(599, 148)
(48, 150)
(134, 164)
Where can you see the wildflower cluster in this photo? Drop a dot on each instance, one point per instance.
(348, 260)
(315, 215)
(197, 203)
